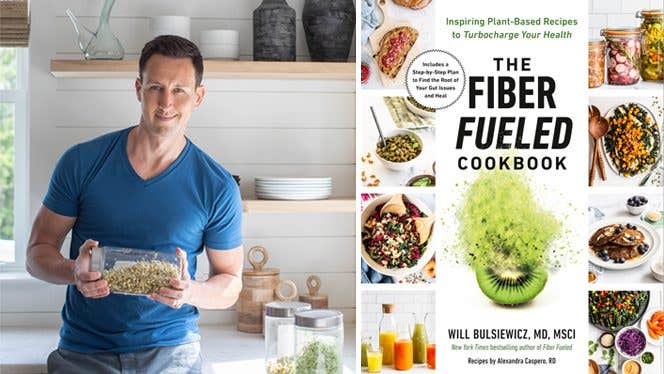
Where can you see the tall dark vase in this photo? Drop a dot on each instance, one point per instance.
(329, 26)
(274, 31)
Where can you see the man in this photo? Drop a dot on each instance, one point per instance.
(145, 187)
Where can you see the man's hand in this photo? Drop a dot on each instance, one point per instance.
(179, 292)
(89, 283)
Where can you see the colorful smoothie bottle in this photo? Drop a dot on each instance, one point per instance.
(420, 340)
(431, 356)
(388, 334)
(403, 349)
(366, 345)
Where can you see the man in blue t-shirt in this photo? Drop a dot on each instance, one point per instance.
(145, 187)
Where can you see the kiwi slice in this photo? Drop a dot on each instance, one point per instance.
(511, 286)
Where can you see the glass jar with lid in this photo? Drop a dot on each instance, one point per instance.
(319, 339)
(652, 57)
(596, 62)
(624, 55)
(135, 271)
(280, 335)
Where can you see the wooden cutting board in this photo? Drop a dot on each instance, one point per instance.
(374, 40)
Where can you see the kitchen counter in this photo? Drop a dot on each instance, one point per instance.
(225, 350)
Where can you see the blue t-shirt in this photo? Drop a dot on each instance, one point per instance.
(193, 203)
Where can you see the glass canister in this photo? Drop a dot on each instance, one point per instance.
(652, 57)
(319, 340)
(624, 55)
(280, 335)
(596, 62)
(135, 271)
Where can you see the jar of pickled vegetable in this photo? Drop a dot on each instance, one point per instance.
(624, 52)
(652, 57)
(596, 62)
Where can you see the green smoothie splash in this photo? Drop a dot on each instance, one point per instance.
(506, 236)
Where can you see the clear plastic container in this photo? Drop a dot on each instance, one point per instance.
(624, 55)
(652, 58)
(319, 340)
(280, 335)
(596, 62)
(135, 271)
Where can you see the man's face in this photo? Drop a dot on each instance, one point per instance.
(168, 94)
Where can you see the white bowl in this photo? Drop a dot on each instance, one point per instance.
(636, 210)
(220, 36)
(657, 269)
(220, 51)
(621, 332)
(428, 253)
(398, 166)
(622, 367)
(418, 111)
(170, 25)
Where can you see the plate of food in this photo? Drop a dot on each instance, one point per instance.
(633, 143)
(652, 325)
(394, 46)
(397, 231)
(613, 310)
(622, 244)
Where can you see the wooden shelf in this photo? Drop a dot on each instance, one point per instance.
(303, 206)
(213, 69)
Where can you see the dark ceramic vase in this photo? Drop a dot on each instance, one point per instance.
(274, 31)
(329, 26)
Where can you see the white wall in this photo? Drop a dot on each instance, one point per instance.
(251, 127)
(406, 303)
(616, 13)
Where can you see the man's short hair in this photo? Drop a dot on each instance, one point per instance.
(172, 46)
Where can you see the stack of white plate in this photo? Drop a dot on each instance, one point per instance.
(293, 188)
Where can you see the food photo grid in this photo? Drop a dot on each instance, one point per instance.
(626, 332)
(397, 239)
(625, 237)
(393, 33)
(398, 332)
(625, 226)
(398, 147)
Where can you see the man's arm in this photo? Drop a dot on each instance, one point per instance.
(43, 258)
(223, 286)
(219, 291)
(44, 261)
